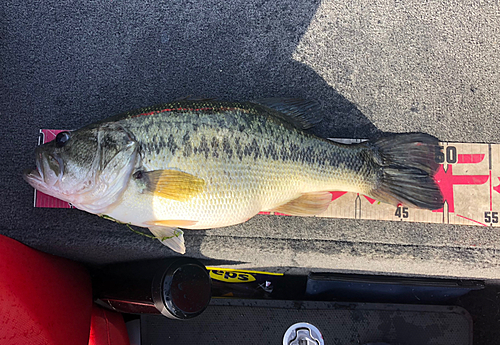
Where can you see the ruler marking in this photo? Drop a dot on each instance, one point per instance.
(489, 156)
(472, 220)
(489, 167)
(357, 207)
(446, 209)
(491, 194)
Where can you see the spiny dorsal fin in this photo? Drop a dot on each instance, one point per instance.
(301, 113)
(173, 184)
(308, 204)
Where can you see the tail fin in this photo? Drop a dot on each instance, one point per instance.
(408, 166)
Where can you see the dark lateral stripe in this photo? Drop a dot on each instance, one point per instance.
(189, 109)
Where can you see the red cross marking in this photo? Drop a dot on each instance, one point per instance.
(446, 180)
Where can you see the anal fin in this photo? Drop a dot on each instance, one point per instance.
(170, 237)
(308, 204)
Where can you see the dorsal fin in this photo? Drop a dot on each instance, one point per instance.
(301, 113)
(296, 112)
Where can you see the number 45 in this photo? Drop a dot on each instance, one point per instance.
(491, 217)
(401, 212)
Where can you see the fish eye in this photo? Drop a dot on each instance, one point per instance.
(62, 138)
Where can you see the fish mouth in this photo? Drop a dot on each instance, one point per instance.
(35, 175)
(34, 179)
(49, 170)
(32, 174)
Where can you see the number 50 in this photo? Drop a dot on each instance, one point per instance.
(450, 157)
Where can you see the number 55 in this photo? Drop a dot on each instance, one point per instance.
(491, 217)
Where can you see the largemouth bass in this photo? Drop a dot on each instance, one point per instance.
(208, 164)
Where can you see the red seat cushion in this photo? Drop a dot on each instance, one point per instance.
(107, 328)
(44, 299)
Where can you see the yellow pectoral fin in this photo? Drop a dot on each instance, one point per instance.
(173, 184)
(171, 223)
(308, 204)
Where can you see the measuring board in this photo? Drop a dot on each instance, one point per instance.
(468, 176)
